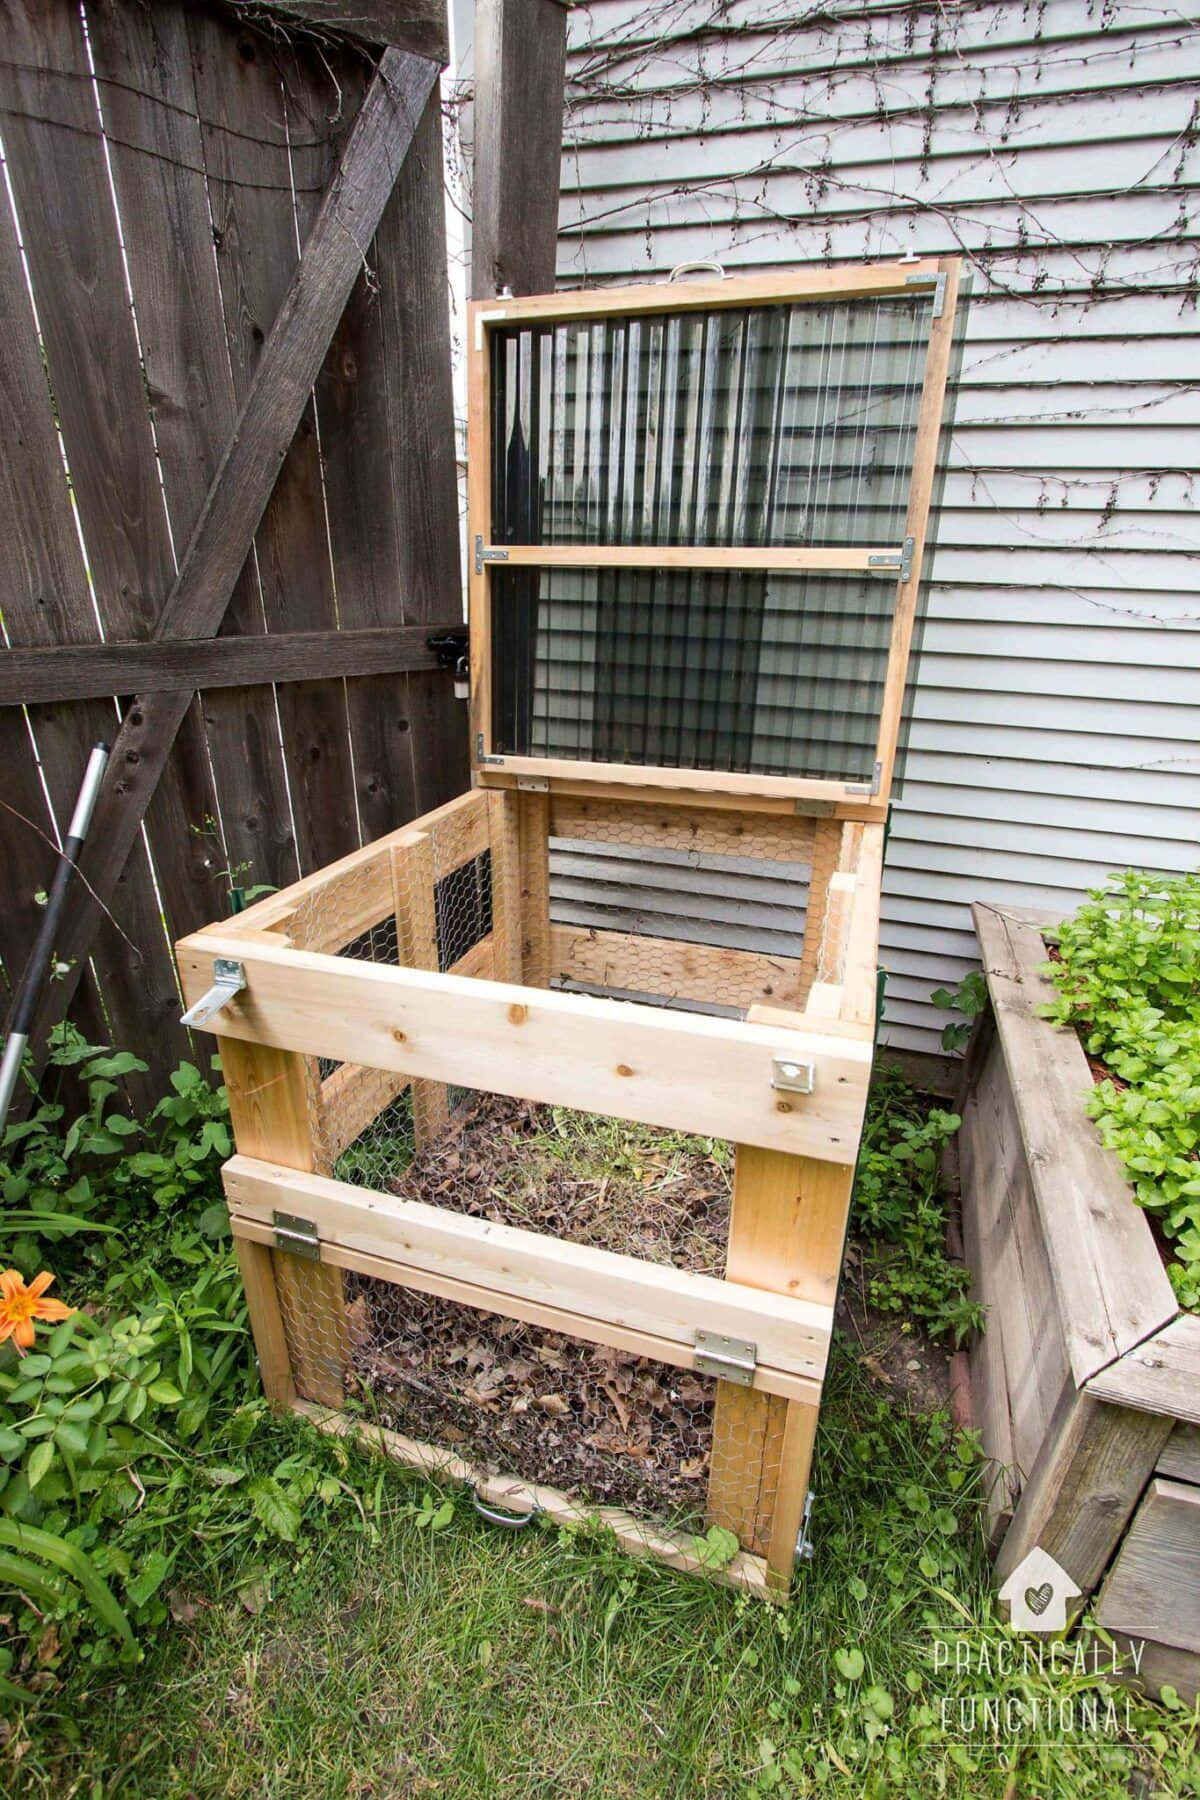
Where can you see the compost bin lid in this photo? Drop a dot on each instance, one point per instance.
(698, 515)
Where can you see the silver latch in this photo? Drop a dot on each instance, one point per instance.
(229, 978)
(733, 1359)
(297, 1236)
(486, 553)
(805, 1550)
(792, 1075)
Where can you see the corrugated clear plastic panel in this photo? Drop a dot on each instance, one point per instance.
(772, 425)
(762, 672)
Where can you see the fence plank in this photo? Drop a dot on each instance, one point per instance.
(42, 594)
(387, 435)
(296, 568)
(245, 154)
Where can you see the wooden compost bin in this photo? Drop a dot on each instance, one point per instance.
(1086, 1378)
(427, 963)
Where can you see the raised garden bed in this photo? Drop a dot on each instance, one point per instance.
(1086, 1381)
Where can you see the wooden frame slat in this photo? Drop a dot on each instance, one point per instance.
(600, 1296)
(686, 1071)
(677, 1549)
(686, 556)
(847, 282)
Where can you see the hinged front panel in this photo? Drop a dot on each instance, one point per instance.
(698, 514)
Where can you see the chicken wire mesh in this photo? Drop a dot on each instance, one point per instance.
(691, 916)
(601, 1425)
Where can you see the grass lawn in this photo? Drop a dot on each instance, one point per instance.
(405, 1648)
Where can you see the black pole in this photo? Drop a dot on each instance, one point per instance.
(37, 968)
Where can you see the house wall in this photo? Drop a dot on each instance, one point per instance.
(1057, 714)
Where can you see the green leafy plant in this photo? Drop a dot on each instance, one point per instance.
(1128, 979)
(969, 998)
(82, 1192)
(899, 1209)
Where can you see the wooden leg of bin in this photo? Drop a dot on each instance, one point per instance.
(271, 1105)
(827, 847)
(535, 888)
(787, 1230)
(791, 1491)
(416, 934)
(504, 838)
(266, 1323)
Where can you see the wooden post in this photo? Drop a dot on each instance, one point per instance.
(787, 1230)
(826, 852)
(297, 1306)
(534, 815)
(505, 842)
(520, 59)
(416, 936)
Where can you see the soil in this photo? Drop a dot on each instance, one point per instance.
(596, 1422)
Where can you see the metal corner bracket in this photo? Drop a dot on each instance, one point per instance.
(901, 560)
(486, 553)
(229, 978)
(481, 755)
(869, 788)
(937, 283)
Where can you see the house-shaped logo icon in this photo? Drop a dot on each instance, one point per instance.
(1037, 1592)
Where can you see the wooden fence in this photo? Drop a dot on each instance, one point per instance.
(226, 464)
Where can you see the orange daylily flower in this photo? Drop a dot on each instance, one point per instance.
(21, 1305)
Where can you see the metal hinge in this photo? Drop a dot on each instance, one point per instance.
(534, 784)
(481, 755)
(733, 1359)
(805, 1549)
(229, 978)
(939, 289)
(870, 788)
(901, 560)
(485, 553)
(297, 1236)
(792, 1075)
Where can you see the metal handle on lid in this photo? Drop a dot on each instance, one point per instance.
(690, 268)
(510, 1521)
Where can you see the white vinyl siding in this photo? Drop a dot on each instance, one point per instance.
(1056, 729)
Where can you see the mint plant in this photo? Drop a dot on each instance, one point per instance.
(1128, 980)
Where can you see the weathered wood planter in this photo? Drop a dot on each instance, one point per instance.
(1086, 1381)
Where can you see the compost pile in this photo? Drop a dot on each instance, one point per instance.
(599, 1423)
